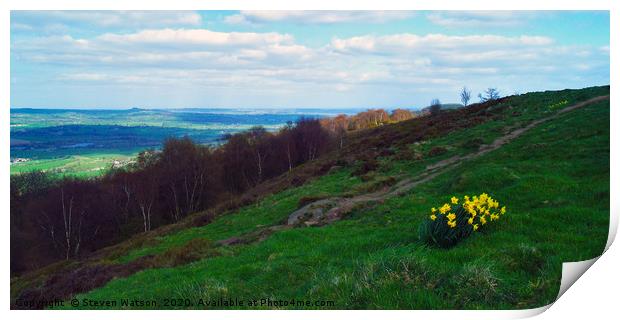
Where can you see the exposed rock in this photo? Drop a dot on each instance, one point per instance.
(313, 213)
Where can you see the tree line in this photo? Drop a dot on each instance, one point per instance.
(66, 217)
(55, 218)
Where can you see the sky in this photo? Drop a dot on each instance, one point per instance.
(298, 59)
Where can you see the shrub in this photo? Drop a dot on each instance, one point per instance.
(452, 222)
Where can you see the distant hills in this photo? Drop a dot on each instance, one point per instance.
(447, 106)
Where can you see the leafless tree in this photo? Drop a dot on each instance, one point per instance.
(465, 95)
(435, 107)
(490, 94)
(72, 228)
(257, 141)
(145, 189)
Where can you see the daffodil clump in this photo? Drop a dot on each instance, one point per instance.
(458, 218)
(558, 105)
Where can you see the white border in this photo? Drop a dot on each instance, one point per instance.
(596, 294)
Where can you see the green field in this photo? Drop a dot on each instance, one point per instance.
(554, 180)
(87, 165)
(82, 142)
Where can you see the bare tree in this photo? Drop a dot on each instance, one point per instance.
(286, 137)
(435, 106)
(465, 95)
(341, 122)
(48, 227)
(145, 189)
(72, 228)
(67, 214)
(490, 94)
(256, 138)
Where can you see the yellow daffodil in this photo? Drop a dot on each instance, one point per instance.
(479, 210)
(484, 197)
(471, 210)
(445, 208)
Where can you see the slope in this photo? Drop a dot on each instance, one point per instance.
(554, 177)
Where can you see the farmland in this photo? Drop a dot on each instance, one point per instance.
(87, 142)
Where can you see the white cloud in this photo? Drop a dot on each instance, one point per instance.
(108, 19)
(84, 76)
(204, 37)
(16, 26)
(476, 19)
(166, 48)
(273, 63)
(604, 49)
(316, 17)
(407, 43)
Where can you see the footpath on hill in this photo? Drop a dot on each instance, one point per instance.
(329, 210)
(69, 282)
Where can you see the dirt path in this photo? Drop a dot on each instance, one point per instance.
(332, 209)
(328, 210)
(66, 284)
(325, 211)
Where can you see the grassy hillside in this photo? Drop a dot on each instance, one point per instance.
(554, 180)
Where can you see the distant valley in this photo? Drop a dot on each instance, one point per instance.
(87, 142)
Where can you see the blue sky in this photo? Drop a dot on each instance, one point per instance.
(171, 59)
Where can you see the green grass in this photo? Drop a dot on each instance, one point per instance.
(554, 181)
(266, 213)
